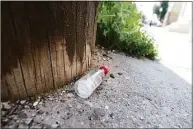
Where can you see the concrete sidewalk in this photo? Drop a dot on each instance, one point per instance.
(175, 50)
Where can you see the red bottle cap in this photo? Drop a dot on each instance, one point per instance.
(105, 68)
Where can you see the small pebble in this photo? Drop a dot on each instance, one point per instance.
(22, 114)
(33, 115)
(107, 107)
(22, 126)
(22, 101)
(104, 59)
(69, 114)
(112, 115)
(99, 112)
(63, 100)
(50, 99)
(81, 111)
(88, 103)
(5, 120)
(38, 126)
(35, 103)
(141, 118)
(112, 75)
(26, 106)
(105, 55)
(15, 117)
(90, 118)
(13, 126)
(70, 95)
(28, 121)
(18, 101)
(3, 113)
(127, 78)
(69, 105)
(40, 112)
(55, 126)
(6, 106)
(120, 73)
(99, 88)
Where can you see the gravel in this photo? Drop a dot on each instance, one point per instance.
(22, 114)
(55, 126)
(112, 75)
(120, 73)
(146, 95)
(23, 126)
(13, 126)
(23, 102)
(99, 112)
(6, 106)
(39, 112)
(3, 113)
(28, 121)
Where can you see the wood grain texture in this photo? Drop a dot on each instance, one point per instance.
(21, 26)
(44, 45)
(11, 71)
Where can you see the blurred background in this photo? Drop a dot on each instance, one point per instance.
(176, 14)
(170, 23)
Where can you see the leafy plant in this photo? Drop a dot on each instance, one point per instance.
(119, 27)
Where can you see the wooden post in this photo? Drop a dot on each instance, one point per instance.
(44, 45)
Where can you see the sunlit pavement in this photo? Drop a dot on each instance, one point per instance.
(175, 51)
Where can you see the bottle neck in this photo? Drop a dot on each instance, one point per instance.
(102, 72)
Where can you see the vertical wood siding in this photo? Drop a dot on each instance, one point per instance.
(44, 45)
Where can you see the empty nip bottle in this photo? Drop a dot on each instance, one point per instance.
(85, 86)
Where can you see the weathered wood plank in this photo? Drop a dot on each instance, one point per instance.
(81, 35)
(4, 90)
(57, 43)
(89, 33)
(11, 71)
(39, 38)
(70, 38)
(34, 53)
(45, 45)
(67, 53)
(74, 38)
(21, 27)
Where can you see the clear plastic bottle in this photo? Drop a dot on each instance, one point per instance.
(85, 86)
